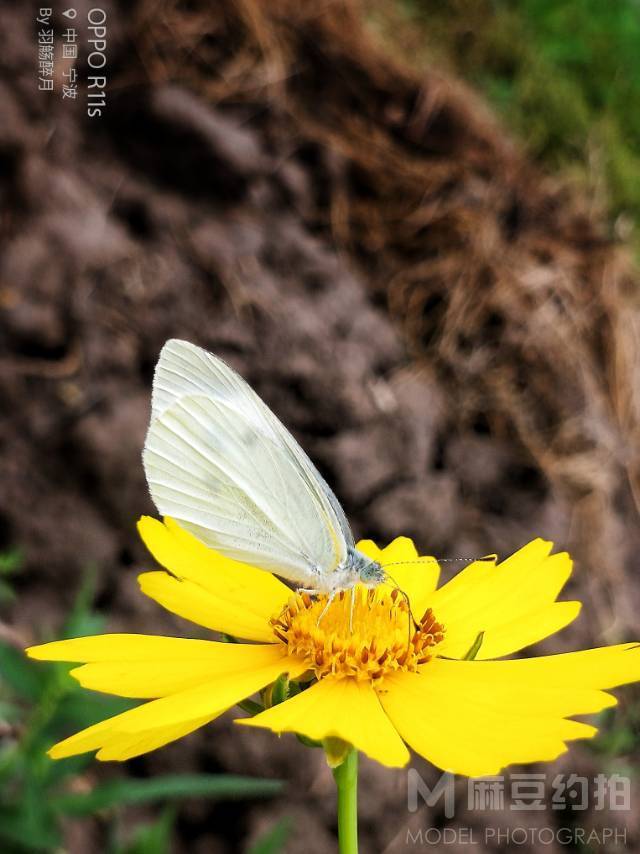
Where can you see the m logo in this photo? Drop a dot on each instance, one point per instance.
(418, 789)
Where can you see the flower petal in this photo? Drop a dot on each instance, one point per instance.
(236, 598)
(199, 606)
(339, 708)
(180, 712)
(121, 747)
(113, 744)
(144, 666)
(476, 717)
(142, 680)
(601, 668)
(512, 603)
(516, 634)
(130, 647)
(416, 576)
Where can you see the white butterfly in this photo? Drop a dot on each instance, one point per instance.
(220, 463)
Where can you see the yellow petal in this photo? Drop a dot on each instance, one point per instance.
(145, 679)
(602, 668)
(121, 747)
(116, 745)
(338, 708)
(517, 634)
(476, 717)
(416, 576)
(248, 596)
(90, 738)
(192, 602)
(131, 647)
(145, 666)
(512, 603)
(209, 697)
(180, 712)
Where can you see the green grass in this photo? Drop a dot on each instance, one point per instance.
(41, 704)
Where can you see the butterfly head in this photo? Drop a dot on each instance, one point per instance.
(368, 572)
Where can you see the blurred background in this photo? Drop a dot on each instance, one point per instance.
(412, 226)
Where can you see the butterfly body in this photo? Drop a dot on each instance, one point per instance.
(356, 569)
(219, 462)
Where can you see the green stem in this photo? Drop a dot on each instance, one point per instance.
(346, 777)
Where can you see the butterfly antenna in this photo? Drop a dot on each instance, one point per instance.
(410, 618)
(485, 558)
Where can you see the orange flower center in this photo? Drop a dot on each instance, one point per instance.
(364, 633)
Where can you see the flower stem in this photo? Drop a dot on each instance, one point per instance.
(346, 777)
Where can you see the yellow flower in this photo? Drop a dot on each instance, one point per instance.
(375, 673)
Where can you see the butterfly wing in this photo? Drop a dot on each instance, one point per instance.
(220, 463)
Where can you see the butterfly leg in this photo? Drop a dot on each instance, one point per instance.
(313, 592)
(331, 596)
(351, 609)
(330, 599)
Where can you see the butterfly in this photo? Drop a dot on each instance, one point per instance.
(221, 464)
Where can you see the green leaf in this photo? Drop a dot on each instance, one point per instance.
(154, 838)
(617, 734)
(11, 561)
(58, 770)
(278, 692)
(84, 708)
(273, 841)
(475, 648)
(308, 742)
(82, 620)
(128, 791)
(26, 831)
(19, 673)
(251, 707)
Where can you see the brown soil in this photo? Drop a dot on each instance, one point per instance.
(451, 335)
